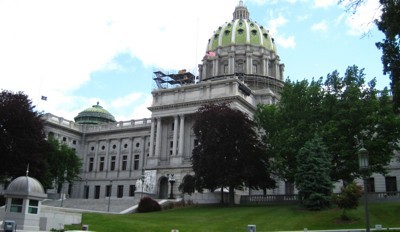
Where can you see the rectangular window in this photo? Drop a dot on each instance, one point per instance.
(171, 144)
(136, 162)
(371, 185)
(91, 161)
(16, 205)
(391, 185)
(108, 190)
(101, 165)
(226, 69)
(112, 165)
(132, 189)
(124, 162)
(120, 192)
(33, 206)
(172, 126)
(97, 192)
(86, 192)
(289, 188)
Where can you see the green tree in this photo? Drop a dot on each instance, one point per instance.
(188, 185)
(230, 152)
(345, 112)
(64, 164)
(390, 45)
(348, 198)
(312, 177)
(290, 124)
(22, 141)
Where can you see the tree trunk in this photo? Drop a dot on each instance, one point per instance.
(222, 196)
(231, 196)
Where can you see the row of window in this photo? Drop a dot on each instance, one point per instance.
(112, 167)
(17, 203)
(114, 146)
(108, 191)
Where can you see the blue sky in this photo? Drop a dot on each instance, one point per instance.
(78, 52)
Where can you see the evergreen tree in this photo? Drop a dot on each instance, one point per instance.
(312, 176)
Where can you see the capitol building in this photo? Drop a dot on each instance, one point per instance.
(241, 66)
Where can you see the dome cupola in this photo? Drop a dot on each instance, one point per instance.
(94, 115)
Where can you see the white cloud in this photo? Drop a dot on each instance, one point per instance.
(286, 42)
(126, 100)
(282, 40)
(52, 47)
(363, 19)
(324, 3)
(321, 26)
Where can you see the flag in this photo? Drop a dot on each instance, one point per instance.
(210, 54)
(44, 98)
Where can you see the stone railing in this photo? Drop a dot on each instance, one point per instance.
(263, 199)
(384, 196)
(99, 127)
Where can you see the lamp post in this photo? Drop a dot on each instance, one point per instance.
(109, 196)
(171, 181)
(62, 188)
(364, 165)
(142, 178)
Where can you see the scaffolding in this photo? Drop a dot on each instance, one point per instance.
(165, 81)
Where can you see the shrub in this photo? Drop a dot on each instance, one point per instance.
(147, 204)
(348, 198)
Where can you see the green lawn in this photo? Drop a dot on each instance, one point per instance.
(266, 218)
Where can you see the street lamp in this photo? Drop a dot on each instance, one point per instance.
(142, 178)
(171, 181)
(62, 188)
(109, 196)
(364, 166)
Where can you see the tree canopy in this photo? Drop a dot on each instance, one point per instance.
(229, 151)
(390, 45)
(345, 112)
(22, 140)
(64, 164)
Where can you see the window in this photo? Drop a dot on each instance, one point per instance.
(124, 162)
(391, 185)
(103, 147)
(171, 144)
(172, 126)
(33, 206)
(125, 145)
(120, 191)
(74, 142)
(97, 192)
(91, 161)
(289, 188)
(371, 185)
(112, 165)
(240, 31)
(254, 32)
(101, 165)
(86, 192)
(114, 146)
(225, 68)
(132, 189)
(254, 69)
(136, 162)
(137, 144)
(108, 190)
(64, 139)
(16, 205)
(92, 148)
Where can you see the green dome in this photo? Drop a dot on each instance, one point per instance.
(241, 31)
(94, 115)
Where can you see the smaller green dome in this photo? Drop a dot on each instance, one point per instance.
(94, 115)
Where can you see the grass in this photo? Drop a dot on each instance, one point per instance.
(267, 218)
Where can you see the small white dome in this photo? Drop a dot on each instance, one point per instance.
(25, 186)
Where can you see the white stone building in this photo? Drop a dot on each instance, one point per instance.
(241, 65)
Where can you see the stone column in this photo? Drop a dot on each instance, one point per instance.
(158, 138)
(181, 134)
(152, 131)
(175, 141)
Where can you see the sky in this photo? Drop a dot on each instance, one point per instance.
(80, 52)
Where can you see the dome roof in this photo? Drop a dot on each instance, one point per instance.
(94, 115)
(25, 186)
(241, 30)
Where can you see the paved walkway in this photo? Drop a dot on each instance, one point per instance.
(117, 205)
